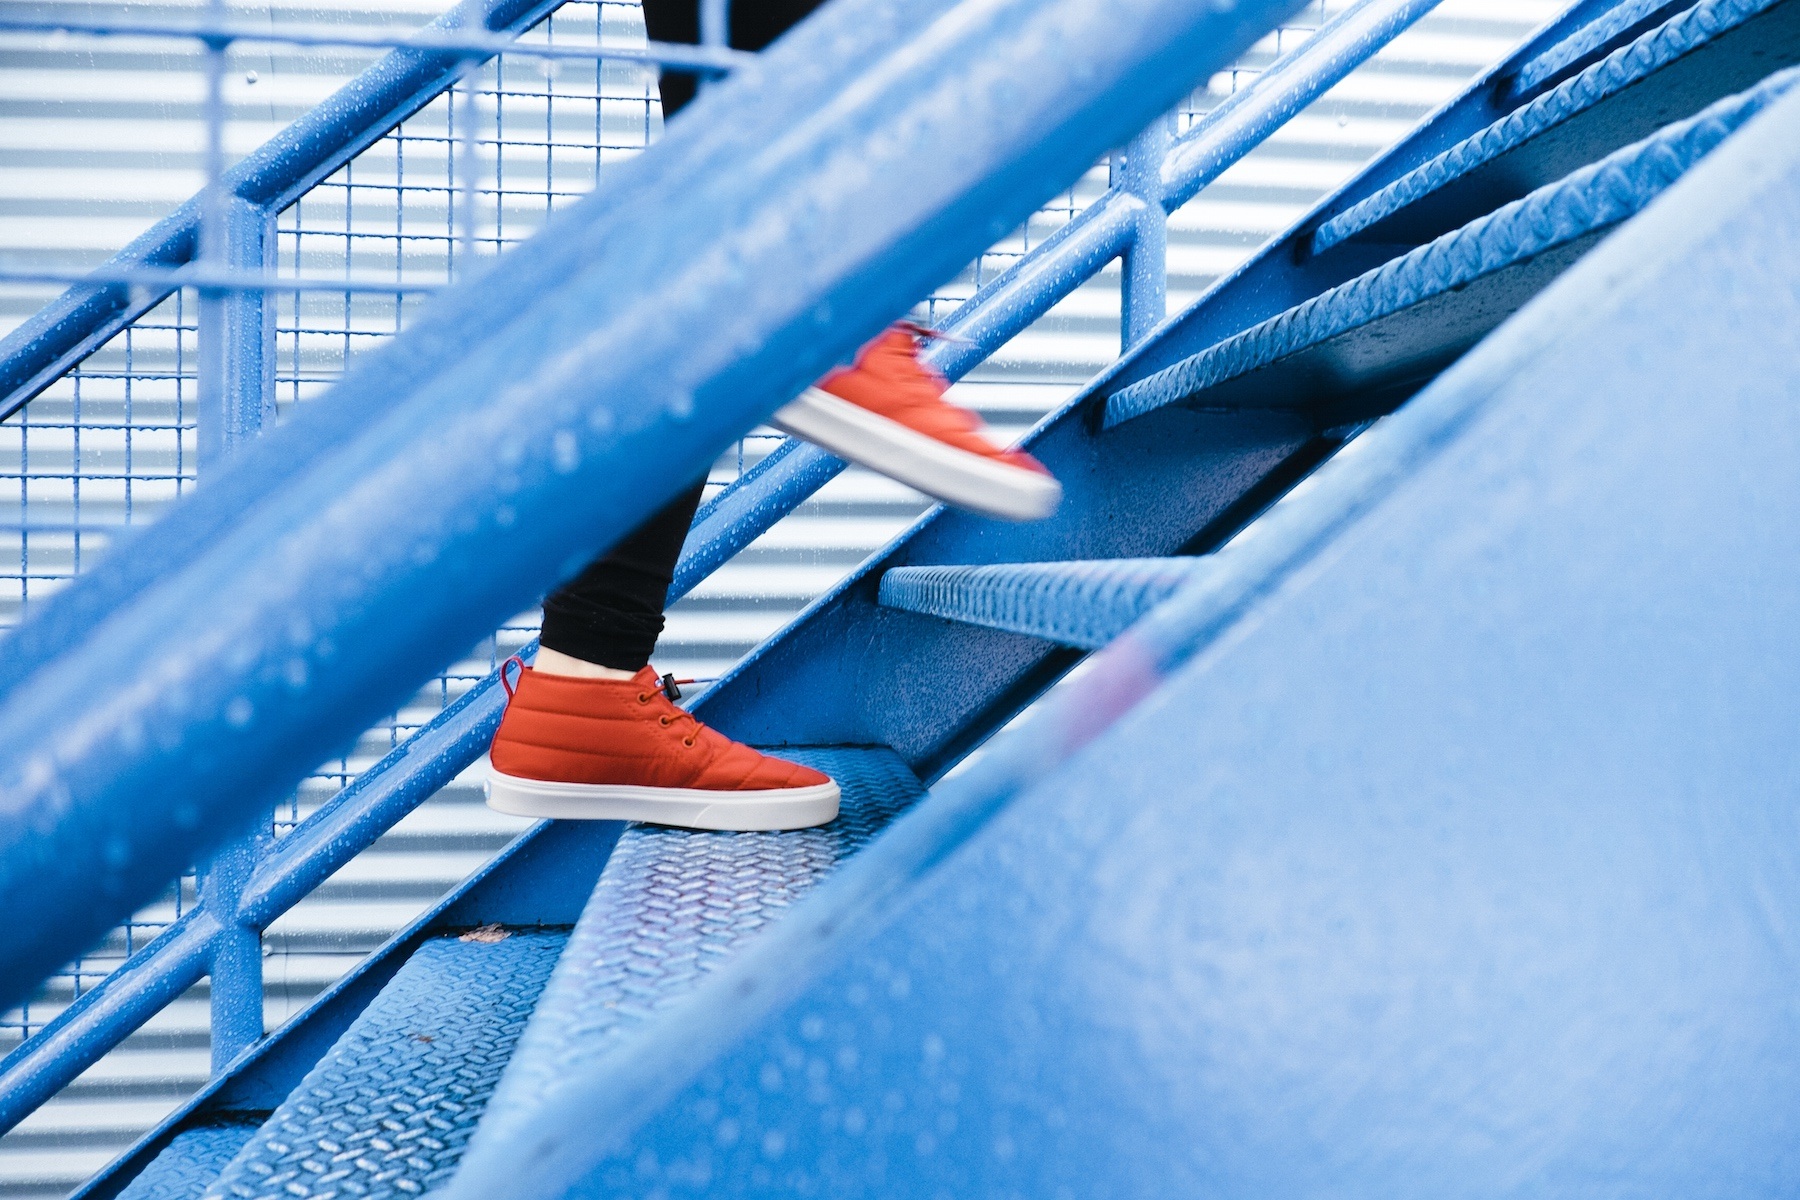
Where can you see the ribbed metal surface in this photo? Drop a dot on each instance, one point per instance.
(1617, 71)
(1085, 604)
(675, 904)
(189, 1164)
(388, 1110)
(100, 140)
(1591, 199)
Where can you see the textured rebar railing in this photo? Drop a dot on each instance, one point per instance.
(1147, 185)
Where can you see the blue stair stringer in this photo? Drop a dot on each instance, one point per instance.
(388, 1110)
(1085, 604)
(191, 1162)
(672, 906)
(1625, 68)
(1451, 819)
(1565, 214)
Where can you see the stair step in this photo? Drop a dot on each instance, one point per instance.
(671, 906)
(389, 1109)
(1694, 59)
(1389, 330)
(1609, 28)
(189, 1163)
(1085, 604)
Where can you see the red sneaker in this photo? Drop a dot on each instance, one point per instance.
(617, 749)
(888, 413)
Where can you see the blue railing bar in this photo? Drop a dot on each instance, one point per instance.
(1248, 116)
(349, 823)
(373, 803)
(757, 499)
(101, 1017)
(649, 328)
(63, 332)
(1583, 42)
(169, 278)
(676, 56)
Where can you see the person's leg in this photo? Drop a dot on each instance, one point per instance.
(611, 614)
(588, 732)
(604, 623)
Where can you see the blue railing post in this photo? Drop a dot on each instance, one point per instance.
(236, 974)
(237, 390)
(1143, 299)
(236, 337)
(236, 395)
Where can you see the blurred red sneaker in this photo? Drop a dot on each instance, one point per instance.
(606, 749)
(887, 412)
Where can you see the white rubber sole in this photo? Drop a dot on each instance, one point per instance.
(689, 808)
(942, 472)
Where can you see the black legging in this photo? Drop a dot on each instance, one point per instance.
(612, 613)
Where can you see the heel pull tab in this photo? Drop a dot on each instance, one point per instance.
(506, 683)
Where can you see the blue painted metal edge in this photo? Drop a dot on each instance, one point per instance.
(1084, 603)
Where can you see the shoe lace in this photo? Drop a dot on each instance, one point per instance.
(675, 713)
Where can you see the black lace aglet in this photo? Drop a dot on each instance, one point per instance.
(670, 689)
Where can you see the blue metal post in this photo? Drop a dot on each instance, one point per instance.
(529, 418)
(236, 968)
(237, 337)
(1143, 298)
(236, 391)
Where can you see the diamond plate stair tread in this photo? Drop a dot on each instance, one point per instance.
(1561, 214)
(1086, 603)
(388, 1111)
(1623, 68)
(671, 906)
(191, 1161)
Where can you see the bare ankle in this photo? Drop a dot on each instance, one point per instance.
(553, 662)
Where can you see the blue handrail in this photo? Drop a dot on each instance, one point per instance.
(648, 328)
(433, 756)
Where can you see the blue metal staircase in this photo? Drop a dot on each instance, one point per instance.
(1360, 857)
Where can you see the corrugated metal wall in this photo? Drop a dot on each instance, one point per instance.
(99, 139)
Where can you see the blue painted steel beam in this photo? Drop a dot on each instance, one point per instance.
(648, 327)
(1086, 603)
(1450, 801)
(39, 351)
(1410, 317)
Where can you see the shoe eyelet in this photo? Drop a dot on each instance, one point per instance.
(688, 742)
(663, 721)
(643, 697)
